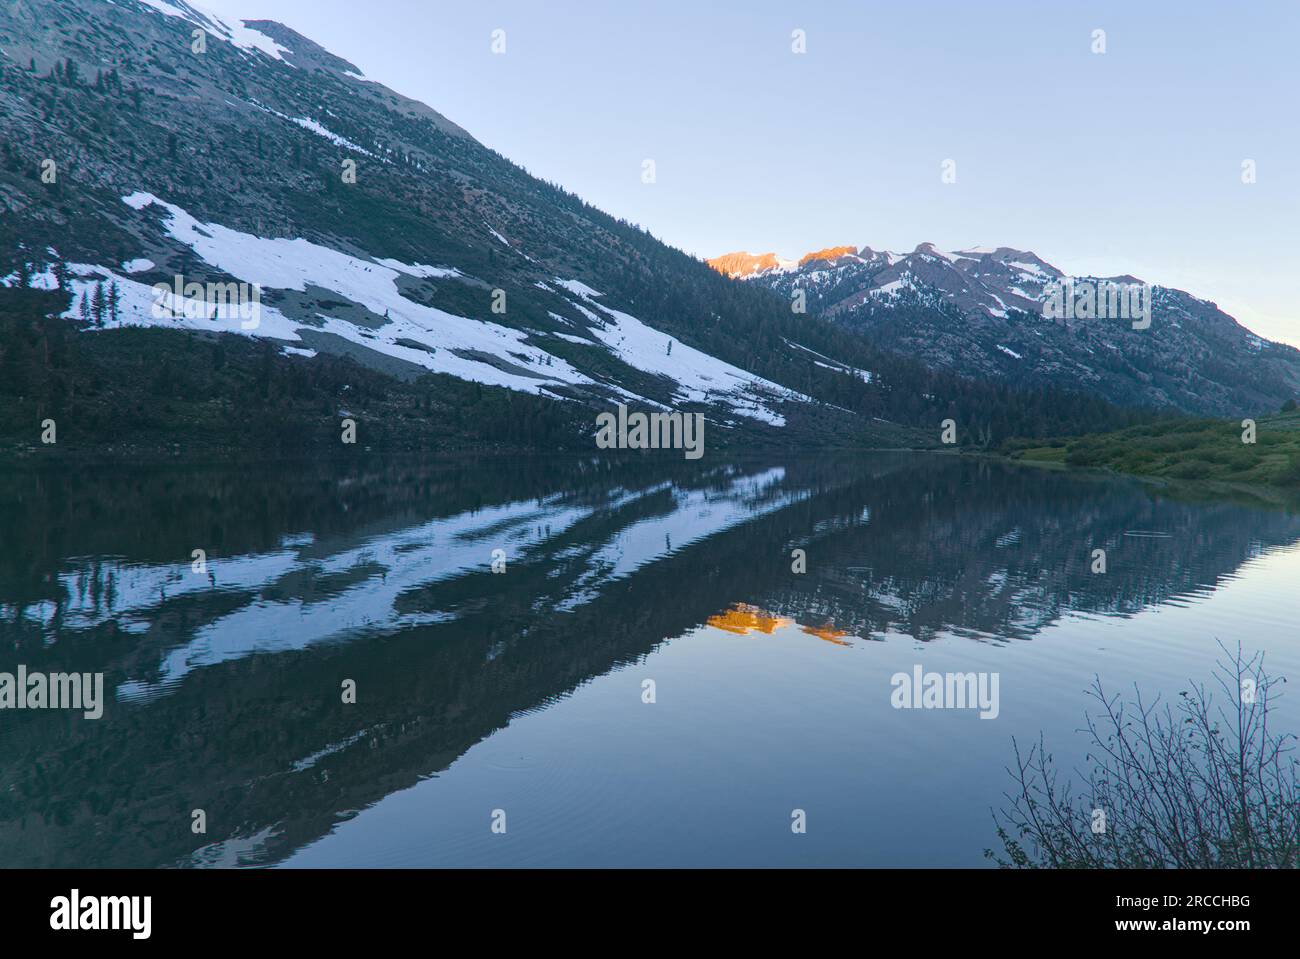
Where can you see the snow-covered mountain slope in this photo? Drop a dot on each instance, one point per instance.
(994, 313)
(368, 225)
(382, 319)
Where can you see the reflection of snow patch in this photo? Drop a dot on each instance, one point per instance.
(695, 515)
(412, 559)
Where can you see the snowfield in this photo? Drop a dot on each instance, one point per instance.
(314, 126)
(702, 378)
(480, 351)
(236, 34)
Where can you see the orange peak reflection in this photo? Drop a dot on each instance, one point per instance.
(828, 633)
(743, 619)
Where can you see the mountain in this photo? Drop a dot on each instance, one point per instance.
(747, 264)
(164, 172)
(981, 313)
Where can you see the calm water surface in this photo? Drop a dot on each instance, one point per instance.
(522, 691)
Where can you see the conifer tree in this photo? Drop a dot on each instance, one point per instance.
(114, 297)
(97, 303)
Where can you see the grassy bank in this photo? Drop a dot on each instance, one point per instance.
(1185, 449)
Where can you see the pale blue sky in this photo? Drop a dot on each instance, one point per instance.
(1123, 162)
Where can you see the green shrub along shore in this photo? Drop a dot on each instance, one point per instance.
(1185, 449)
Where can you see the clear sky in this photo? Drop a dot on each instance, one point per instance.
(1128, 161)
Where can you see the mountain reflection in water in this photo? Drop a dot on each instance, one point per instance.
(226, 682)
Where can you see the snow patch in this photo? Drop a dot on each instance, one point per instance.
(313, 126)
(237, 34)
(825, 361)
(701, 378)
(577, 286)
(307, 123)
(474, 350)
(420, 270)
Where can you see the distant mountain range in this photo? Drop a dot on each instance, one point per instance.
(981, 313)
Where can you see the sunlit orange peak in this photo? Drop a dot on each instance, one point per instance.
(743, 264)
(830, 253)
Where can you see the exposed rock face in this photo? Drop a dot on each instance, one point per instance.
(745, 264)
(830, 254)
